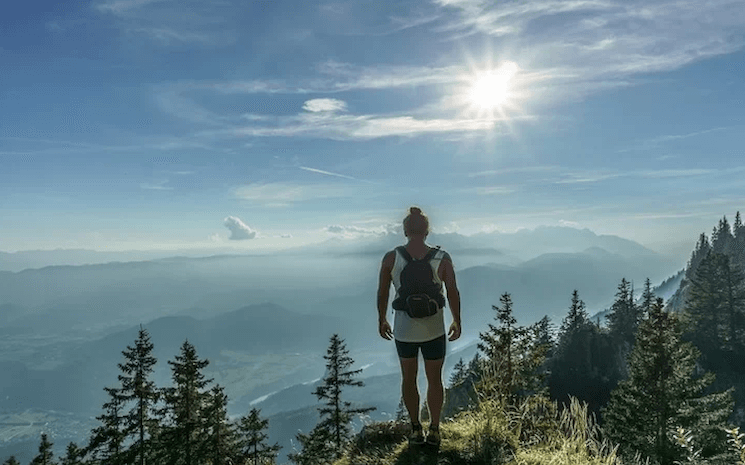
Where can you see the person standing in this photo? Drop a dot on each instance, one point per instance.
(419, 322)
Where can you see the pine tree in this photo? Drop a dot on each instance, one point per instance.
(662, 393)
(545, 334)
(716, 306)
(221, 444)
(462, 395)
(106, 442)
(183, 439)
(738, 247)
(45, 456)
(577, 317)
(336, 414)
(458, 374)
(73, 455)
(721, 239)
(624, 315)
(316, 447)
(137, 387)
(584, 362)
(513, 356)
(402, 415)
(254, 448)
(648, 299)
(12, 461)
(699, 253)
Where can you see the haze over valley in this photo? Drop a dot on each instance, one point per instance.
(264, 320)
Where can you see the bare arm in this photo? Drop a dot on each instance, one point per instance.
(384, 286)
(448, 277)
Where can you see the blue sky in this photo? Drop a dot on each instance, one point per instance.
(138, 124)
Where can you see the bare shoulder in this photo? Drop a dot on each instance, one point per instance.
(389, 259)
(445, 270)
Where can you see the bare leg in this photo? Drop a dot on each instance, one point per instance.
(435, 390)
(409, 389)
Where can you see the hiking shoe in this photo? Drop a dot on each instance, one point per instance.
(417, 436)
(433, 437)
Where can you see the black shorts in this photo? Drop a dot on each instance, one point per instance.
(431, 350)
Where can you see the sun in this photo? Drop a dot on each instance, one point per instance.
(491, 89)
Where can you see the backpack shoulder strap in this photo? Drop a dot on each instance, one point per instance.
(404, 253)
(430, 255)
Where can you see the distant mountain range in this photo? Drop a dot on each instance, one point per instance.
(521, 245)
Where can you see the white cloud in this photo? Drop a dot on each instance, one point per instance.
(328, 173)
(170, 22)
(123, 6)
(324, 104)
(157, 186)
(356, 231)
(451, 227)
(673, 173)
(348, 127)
(238, 229)
(587, 177)
(571, 224)
(283, 194)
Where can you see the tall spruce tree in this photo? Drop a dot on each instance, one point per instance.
(336, 414)
(458, 374)
(662, 393)
(316, 447)
(583, 364)
(738, 247)
(699, 253)
(648, 298)
(624, 315)
(513, 354)
(73, 455)
(107, 440)
(182, 440)
(716, 307)
(254, 449)
(45, 455)
(137, 387)
(721, 238)
(221, 445)
(462, 394)
(576, 318)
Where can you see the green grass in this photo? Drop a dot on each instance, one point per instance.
(534, 432)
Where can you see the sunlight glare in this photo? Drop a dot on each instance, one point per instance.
(491, 88)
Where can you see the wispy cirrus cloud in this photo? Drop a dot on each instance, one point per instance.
(327, 173)
(170, 22)
(285, 194)
(587, 45)
(655, 142)
(160, 185)
(120, 7)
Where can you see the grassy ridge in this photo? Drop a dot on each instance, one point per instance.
(536, 432)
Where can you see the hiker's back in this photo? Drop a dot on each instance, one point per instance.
(418, 278)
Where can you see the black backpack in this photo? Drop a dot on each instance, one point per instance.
(418, 295)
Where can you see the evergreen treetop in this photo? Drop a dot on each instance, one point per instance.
(337, 414)
(254, 448)
(662, 393)
(137, 387)
(45, 456)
